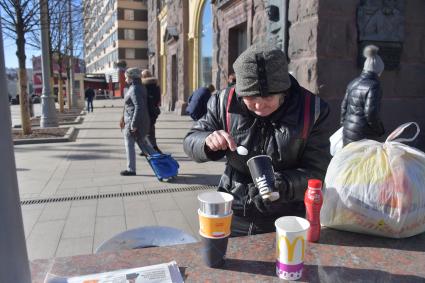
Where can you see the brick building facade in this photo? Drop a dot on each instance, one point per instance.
(323, 47)
(322, 39)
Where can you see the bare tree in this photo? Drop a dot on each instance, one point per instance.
(19, 18)
(59, 40)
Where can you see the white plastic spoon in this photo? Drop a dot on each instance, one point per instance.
(242, 150)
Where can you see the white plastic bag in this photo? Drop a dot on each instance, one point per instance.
(336, 142)
(377, 188)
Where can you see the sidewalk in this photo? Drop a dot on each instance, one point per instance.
(90, 166)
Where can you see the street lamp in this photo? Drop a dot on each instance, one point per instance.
(48, 110)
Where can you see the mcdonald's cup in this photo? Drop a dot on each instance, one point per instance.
(291, 241)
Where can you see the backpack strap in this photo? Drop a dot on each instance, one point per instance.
(228, 115)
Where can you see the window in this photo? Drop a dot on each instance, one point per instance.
(130, 53)
(206, 46)
(237, 43)
(128, 15)
(129, 34)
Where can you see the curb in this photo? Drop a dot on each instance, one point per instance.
(70, 135)
(77, 120)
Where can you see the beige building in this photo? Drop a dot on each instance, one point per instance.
(176, 36)
(115, 31)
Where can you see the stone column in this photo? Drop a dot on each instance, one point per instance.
(14, 265)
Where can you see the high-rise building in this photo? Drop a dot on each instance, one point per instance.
(115, 35)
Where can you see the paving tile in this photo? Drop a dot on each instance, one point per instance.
(81, 211)
(110, 189)
(138, 213)
(160, 202)
(87, 191)
(106, 228)
(110, 207)
(51, 188)
(173, 218)
(132, 187)
(88, 202)
(55, 211)
(44, 239)
(189, 207)
(80, 222)
(30, 217)
(91, 166)
(74, 246)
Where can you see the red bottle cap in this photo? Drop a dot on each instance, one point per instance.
(315, 184)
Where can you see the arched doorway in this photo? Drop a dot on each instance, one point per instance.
(205, 45)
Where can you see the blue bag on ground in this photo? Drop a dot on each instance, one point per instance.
(164, 166)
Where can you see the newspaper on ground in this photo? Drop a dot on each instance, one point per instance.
(160, 273)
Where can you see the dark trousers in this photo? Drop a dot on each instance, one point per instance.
(89, 104)
(152, 135)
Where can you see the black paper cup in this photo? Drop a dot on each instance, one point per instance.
(262, 173)
(214, 251)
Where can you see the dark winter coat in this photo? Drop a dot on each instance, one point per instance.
(89, 94)
(360, 109)
(294, 136)
(154, 97)
(135, 109)
(198, 101)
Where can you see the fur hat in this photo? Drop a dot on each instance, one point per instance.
(373, 61)
(261, 70)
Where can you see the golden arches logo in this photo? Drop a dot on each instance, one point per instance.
(291, 246)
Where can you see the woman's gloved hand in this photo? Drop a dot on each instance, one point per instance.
(263, 205)
(266, 206)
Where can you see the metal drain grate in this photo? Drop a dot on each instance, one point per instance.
(116, 195)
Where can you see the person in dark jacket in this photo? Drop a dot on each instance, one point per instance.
(154, 102)
(198, 101)
(231, 79)
(89, 95)
(135, 120)
(360, 108)
(269, 113)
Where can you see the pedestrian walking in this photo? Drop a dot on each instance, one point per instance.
(135, 121)
(361, 106)
(154, 102)
(197, 106)
(268, 113)
(89, 95)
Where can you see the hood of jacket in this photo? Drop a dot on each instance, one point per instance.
(150, 80)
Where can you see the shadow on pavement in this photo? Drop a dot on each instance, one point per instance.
(197, 179)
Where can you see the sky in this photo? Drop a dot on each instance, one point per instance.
(207, 44)
(12, 61)
(10, 54)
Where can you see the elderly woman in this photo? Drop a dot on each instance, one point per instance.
(135, 121)
(268, 113)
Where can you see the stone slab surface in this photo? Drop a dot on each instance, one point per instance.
(90, 166)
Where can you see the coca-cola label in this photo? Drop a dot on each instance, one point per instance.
(314, 196)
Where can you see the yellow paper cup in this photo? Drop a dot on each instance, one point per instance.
(291, 241)
(214, 226)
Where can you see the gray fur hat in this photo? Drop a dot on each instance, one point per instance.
(261, 70)
(133, 73)
(373, 61)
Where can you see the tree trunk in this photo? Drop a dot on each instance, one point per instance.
(68, 89)
(60, 93)
(52, 87)
(23, 95)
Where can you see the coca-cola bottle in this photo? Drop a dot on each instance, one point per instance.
(313, 201)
